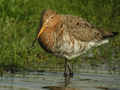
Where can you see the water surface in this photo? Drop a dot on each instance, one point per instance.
(55, 81)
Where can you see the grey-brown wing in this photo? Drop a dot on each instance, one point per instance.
(80, 28)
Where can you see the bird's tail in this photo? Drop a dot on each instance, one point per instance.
(110, 34)
(107, 34)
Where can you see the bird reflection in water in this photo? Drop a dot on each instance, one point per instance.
(67, 81)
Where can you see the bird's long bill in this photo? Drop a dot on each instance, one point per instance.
(41, 30)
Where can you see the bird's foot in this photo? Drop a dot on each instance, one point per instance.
(66, 74)
(71, 74)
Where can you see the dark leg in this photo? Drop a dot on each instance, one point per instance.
(66, 71)
(70, 70)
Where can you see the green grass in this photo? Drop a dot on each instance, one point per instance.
(19, 21)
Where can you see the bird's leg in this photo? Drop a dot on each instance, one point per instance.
(66, 70)
(70, 69)
(67, 73)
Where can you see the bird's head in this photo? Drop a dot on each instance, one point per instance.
(49, 20)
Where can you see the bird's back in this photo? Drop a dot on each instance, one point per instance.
(81, 29)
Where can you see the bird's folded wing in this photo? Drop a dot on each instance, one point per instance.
(81, 29)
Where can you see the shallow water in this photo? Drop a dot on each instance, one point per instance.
(55, 81)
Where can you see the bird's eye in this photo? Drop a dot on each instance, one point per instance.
(52, 17)
(77, 23)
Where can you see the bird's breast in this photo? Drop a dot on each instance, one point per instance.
(47, 39)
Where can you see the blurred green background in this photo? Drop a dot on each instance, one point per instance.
(19, 22)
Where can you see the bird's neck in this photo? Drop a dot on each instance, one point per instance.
(47, 38)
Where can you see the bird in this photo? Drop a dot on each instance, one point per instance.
(69, 36)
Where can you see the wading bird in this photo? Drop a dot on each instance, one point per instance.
(69, 36)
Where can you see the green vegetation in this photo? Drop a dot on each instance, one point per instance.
(19, 21)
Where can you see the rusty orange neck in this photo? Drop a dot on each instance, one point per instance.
(50, 26)
(47, 38)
